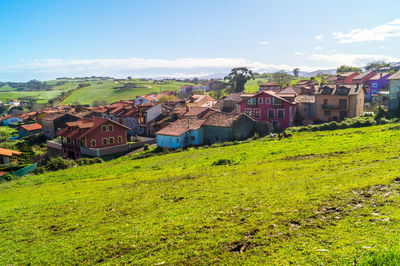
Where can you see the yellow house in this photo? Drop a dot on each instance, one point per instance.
(336, 102)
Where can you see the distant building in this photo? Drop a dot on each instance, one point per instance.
(378, 82)
(15, 103)
(270, 86)
(6, 155)
(10, 120)
(199, 100)
(394, 91)
(85, 137)
(29, 130)
(54, 122)
(346, 78)
(217, 127)
(334, 103)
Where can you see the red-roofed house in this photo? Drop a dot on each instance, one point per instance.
(345, 78)
(270, 86)
(268, 106)
(29, 130)
(5, 155)
(87, 136)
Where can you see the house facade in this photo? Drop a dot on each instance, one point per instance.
(54, 122)
(378, 82)
(217, 127)
(394, 92)
(85, 135)
(345, 78)
(336, 102)
(267, 106)
(11, 119)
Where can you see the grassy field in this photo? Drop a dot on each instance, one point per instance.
(316, 198)
(8, 93)
(108, 91)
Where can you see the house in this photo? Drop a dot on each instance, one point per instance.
(364, 80)
(345, 78)
(29, 130)
(87, 136)
(144, 99)
(217, 127)
(305, 109)
(188, 89)
(10, 120)
(378, 82)
(54, 122)
(147, 114)
(28, 117)
(6, 155)
(231, 103)
(394, 91)
(15, 103)
(307, 82)
(199, 100)
(336, 102)
(330, 80)
(270, 86)
(268, 106)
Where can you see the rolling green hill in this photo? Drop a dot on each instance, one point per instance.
(327, 197)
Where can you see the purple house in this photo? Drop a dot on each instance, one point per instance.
(378, 82)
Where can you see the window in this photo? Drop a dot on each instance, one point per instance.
(343, 103)
(119, 139)
(374, 85)
(177, 140)
(93, 143)
(281, 113)
(257, 113)
(248, 112)
(192, 138)
(111, 128)
(104, 128)
(271, 113)
(327, 113)
(104, 141)
(251, 101)
(111, 140)
(260, 101)
(325, 101)
(267, 100)
(276, 101)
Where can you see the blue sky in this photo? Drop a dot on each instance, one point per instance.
(47, 39)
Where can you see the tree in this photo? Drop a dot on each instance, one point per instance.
(375, 65)
(344, 69)
(296, 72)
(129, 78)
(238, 78)
(281, 78)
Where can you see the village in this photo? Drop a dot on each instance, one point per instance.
(195, 118)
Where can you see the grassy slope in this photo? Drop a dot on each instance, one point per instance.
(308, 199)
(7, 93)
(107, 92)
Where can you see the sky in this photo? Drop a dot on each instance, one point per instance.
(46, 39)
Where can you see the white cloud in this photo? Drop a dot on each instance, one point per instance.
(319, 37)
(319, 48)
(263, 42)
(379, 33)
(351, 59)
(140, 67)
(298, 53)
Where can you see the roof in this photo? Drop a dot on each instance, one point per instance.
(197, 111)
(7, 152)
(32, 127)
(245, 97)
(347, 74)
(395, 76)
(181, 126)
(305, 99)
(352, 89)
(82, 127)
(363, 75)
(235, 97)
(288, 90)
(222, 119)
(53, 116)
(380, 75)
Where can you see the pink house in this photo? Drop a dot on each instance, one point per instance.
(268, 106)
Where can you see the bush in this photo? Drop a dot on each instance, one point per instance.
(224, 162)
(146, 147)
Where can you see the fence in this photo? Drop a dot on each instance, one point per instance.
(24, 171)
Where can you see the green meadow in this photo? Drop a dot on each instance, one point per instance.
(110, 91)
(328, 197)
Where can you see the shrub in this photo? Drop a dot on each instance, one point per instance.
(224, 162)
(146, 147)
(58, 163)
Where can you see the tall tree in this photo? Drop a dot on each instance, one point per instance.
(375, 65)
(296, 72)
(344, 69)
(238, 78)
(281, 78)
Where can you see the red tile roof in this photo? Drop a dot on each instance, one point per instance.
(7, 152)
(32, 127)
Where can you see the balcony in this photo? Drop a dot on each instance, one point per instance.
(332, 106)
